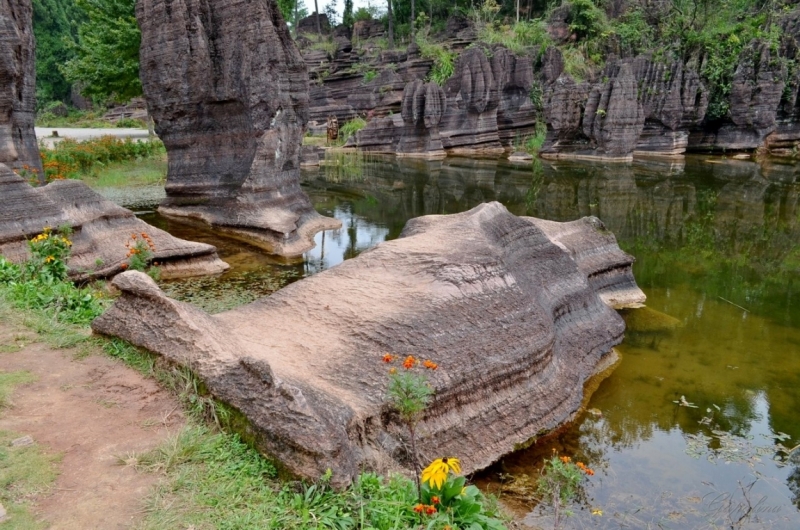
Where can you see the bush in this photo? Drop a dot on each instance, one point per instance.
(69, 158)
(350, 128)
(443, 60)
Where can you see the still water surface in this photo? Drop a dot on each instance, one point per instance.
(717, 244)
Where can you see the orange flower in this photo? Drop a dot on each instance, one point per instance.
(387, 358)
(124, 266)
(581, 465)
(144, 235)
(393, 371)
(419, 508)
(409, 363)
(565, 459)
(589, 472)
(430, 510)
(430, 365)
(133, 236)
(435, 500)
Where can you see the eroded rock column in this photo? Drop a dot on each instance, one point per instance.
(228, 91)
(18, 147)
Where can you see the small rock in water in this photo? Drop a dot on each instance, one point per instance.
(22, 442)
(595, 412)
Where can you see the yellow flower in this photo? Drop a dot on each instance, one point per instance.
(49, 259)
(597, 511)
(438, 470)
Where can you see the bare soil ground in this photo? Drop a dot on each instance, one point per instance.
(95, 412)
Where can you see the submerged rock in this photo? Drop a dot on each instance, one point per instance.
(512, 317)
(101, 230)
(228, 91)
(18, 147)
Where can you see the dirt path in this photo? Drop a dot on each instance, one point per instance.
(92, 411)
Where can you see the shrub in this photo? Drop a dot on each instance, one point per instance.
(443, 59)
(350, 128)
(69, 158)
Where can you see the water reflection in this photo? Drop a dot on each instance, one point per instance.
(717, 253)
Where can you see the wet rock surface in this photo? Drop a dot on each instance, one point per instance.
(101, 230)
(18, 147)
(228, 91)
(507, 312)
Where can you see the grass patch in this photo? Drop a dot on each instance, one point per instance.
(350, 128)
(129, 173)
(25, 472)
(8, 380)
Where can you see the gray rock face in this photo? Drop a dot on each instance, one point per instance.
(18, 145)
(415, 132)
(504, 306)
(100, 230)
(228, 92)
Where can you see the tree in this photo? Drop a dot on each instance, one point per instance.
(347, 15)
(107, 52)
(55, 26)
(391, 24)
(316, 16)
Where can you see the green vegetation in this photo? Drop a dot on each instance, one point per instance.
(106, 59)
(140, 172)
(24, 471)
(559, 483)
(443, 59)
(70, 159)
(40, 284)
(350, 128)
(55, 26)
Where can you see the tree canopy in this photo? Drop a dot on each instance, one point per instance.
(55, 26)
(107, 52)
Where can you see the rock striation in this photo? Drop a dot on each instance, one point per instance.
(18, 147)
(101, 230)
(512, 317)
(480, 110)
(228, 91)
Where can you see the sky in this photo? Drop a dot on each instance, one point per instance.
(340, 5)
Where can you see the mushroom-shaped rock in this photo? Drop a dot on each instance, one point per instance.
(513, 316)
(228, 91)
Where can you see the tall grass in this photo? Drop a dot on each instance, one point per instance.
(443, 59)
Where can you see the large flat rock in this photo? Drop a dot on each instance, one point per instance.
(510, 314)
(100, 230)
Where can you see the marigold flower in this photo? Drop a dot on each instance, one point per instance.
(589, 472)
(418, 508)
(435, 500)
(581, 465)
(409, 363)
(438, 470)
(430, 365)
(430, 510)
(393, 371)
(565, 459)
(387, 358)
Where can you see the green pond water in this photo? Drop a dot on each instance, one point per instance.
(717, 244)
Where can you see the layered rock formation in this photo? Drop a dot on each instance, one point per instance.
(18, 147)
(480, 110)
(414, 132)
(228, 91)
(101, 230)
(510, 316)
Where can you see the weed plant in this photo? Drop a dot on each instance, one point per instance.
(350, 128)
(443, 59)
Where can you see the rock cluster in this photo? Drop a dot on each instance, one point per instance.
(18, 147)
(480, 110)
(100, 228)
(228, 91)
(509, 308)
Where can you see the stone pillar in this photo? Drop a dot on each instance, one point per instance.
(228, 91)
(18, 147)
